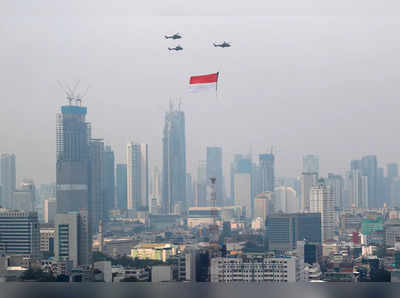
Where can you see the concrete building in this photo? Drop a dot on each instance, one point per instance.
(242, 192)
(104, 271)
(96, 183)
(24, 198)
(323, 201)
(109, 181)
(307, 181)
(359, 189)
(257, 269)
(174, 163)
(19, 233)
(286, 200)
(47, 240)
(392, 234)
(369, 168)
(7, 179)
(71, 242)
(214, 170)
(49, 210)
(122, 188)
(161, 273)
(311, 164)
(337, 184)
(155, 191)
(267, 172)
(138, 176)
(264, 205)
(284, 230)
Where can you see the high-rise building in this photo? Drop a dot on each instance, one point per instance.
(264, 205)
(242, 192)
(323, 201)
(266, 168)
(337, 184)
(138, 176)
(7, 179)
(49, 210)
(284, 230)
(286, 200)
(392, 170)
(19, 233)
(109, 181)
(311, 164)
(307, 181)
(358, 189)
(71, 242)
(72, 170)
(201, 185)
(24, 197)
(369, 168)
(174, 163)
(189, 191)
(96, 183)
(122, 187)
(214, 170)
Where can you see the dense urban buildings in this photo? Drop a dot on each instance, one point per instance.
(174, 162)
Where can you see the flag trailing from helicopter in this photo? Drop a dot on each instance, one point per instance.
(204, 82)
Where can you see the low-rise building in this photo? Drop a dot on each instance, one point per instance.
(153, 251)
(257, 269)
(161, 273)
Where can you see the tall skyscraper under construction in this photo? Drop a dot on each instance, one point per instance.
(174, 162)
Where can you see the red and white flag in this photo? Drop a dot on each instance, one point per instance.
(204, 82)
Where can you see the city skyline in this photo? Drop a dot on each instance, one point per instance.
(305, 98)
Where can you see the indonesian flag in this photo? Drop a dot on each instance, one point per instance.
(204, 82)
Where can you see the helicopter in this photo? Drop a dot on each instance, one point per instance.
(222, 45)
(177, 48)
(174, 36)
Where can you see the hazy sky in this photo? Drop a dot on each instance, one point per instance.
(321, 85)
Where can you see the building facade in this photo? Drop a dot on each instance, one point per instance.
(7, 179)
(138, 176)
(122, 188)
(214, 170)
(174, 163)
(109, 181)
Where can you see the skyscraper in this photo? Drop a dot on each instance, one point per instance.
(392, 170)
(323, 201)
(7, 179)
(109, 181)
(138, 176)
(307, 181)
(267, 172)
(242, 183)
(96, 183)
(286, 200)
(155, 191)
(121, 186)
(214, 170)
(358, 189)
(174, 162)
(337, 184)
(369, 168)
(72, 170)
(201, 185)
(311, 164)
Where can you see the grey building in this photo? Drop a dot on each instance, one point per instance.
(72, 170)
(214, 170)
(96, 183)
(267, 175)
(392, 170)
(24, 197)
(121, 185)
(71, 242)
(307, 181)
(337, 184)
(7, 179)
(311, 163)
(109, 181)
(138, 176)
(284, 230)
(201, 185)
(174, 163)
(19, 233)
(369, 168)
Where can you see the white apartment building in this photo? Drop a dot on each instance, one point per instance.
(257, 269)
(323, 201)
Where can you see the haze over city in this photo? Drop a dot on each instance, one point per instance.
(324, 86)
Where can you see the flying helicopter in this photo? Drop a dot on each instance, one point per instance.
(177, 48)
(174, 36)
(222, 45)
